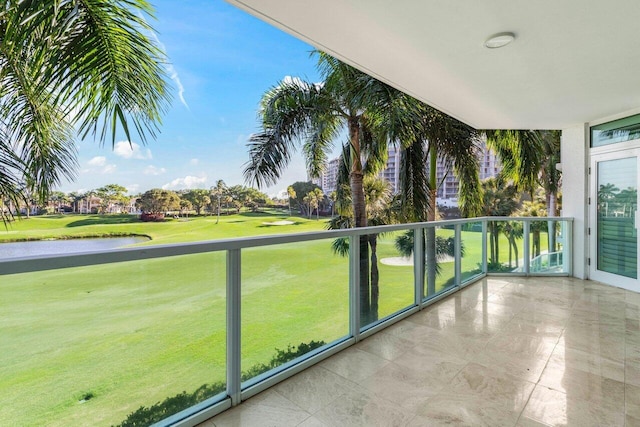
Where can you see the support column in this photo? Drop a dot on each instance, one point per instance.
(575, 187)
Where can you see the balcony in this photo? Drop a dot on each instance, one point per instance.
(501, 352)
(190, 330)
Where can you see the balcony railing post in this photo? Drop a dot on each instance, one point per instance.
(234, 272)
(458, 253)
(567, 246)
(527, 248)
(418, 265)
(485, 267)
(354, 287)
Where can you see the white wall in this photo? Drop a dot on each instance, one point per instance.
(575, 165)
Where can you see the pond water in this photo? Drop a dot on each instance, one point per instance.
(53, 247)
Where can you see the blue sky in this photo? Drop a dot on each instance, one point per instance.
(222, 61)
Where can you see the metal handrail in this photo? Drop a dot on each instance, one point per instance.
(83, 259)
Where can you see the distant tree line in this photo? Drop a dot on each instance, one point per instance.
(113, 199)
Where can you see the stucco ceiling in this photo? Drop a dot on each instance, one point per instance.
(573, 61)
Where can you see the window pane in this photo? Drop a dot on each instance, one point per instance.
(626, 129)
(617, 204)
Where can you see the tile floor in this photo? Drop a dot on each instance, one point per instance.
(501, 352)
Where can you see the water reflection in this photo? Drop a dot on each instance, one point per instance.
(53, 247)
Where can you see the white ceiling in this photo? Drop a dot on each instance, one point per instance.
(573, 61)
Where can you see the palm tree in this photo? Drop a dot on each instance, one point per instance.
(308, 200)
(332, 197)
(535, 208)
(66, 67)
(379, 212)
(292, 195)
(318, 197)
(436, 136)
(296, 110)
(218, 191)
(499, 199)
(529, 159)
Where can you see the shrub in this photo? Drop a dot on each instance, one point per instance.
(144, 416)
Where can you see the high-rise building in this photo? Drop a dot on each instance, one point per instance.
(391, 172)
(448, 184)
(489, 166)
(489, 162)
(328, 180)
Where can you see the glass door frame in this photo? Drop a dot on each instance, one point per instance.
(602, 155)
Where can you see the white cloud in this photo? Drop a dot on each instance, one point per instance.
(97, 161)
(152, 170)
(133, 188)
(242, 139)
(194, 161)
(185, 183)
(289, 80)
(98, 164)
(131, 150)
(173, 74)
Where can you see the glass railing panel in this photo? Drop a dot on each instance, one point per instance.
(391, 276)
(104, 344)
(505, 247)
(548, 248)
(439, 265)
(471, 237)
(295, 299)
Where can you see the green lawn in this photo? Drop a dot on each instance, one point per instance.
(134, 333)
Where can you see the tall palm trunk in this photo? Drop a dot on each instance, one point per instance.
(551, 225)
(536, 242)
(218, 220)
(430, 243)
(375, 278)
(356, 177)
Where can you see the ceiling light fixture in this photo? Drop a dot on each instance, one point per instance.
(499, 40)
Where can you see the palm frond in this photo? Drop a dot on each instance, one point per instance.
(414, 181)
(102, 66)
(520, 155)
(290, 112)
(324, 129)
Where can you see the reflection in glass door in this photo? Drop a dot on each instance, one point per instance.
(617, 203)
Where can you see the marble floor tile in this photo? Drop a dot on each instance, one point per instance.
(438, 317)
(354, 365)
(631, 421)
(520, 355)
(410, 386)
(632, 401)
(556, 408)
(411, 331)
(610, 347)
(313, 422)
(385, 345)
(583, 385)
(266, 409)
(528, 422)
(567, 357)
(314, 388)
(523, 325)
(523, 352)
(360, 409)
(449, 409)
(503, 391)
(632, 372)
